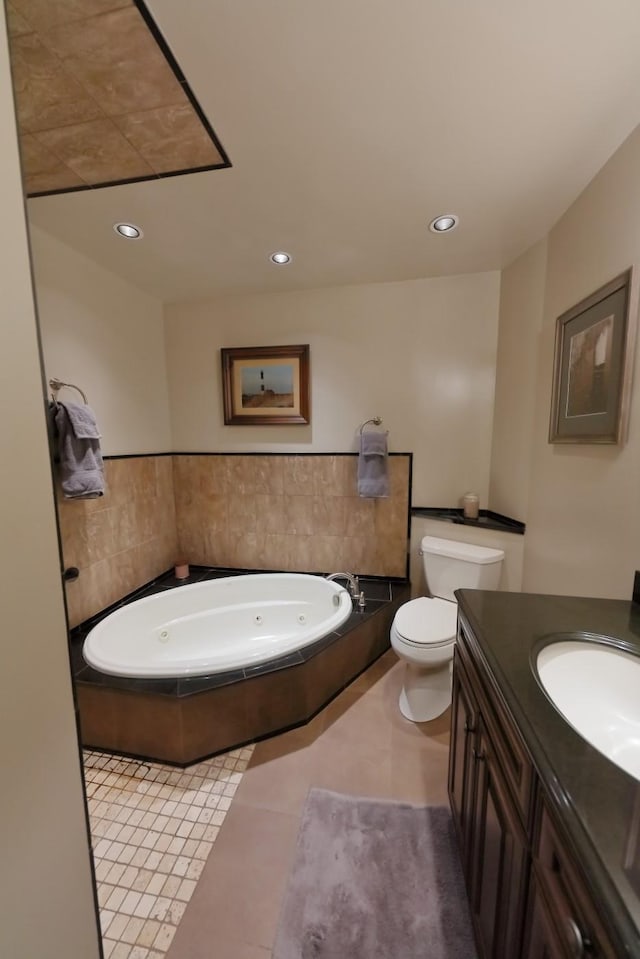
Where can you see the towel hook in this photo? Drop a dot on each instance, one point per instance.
(376, 420)
(57, 385)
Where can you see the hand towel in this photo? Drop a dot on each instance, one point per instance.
(81, 466)
(373, 473)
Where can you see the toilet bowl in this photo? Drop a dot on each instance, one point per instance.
(423, 631)
(423, 634)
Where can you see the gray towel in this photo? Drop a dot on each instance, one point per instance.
(373, 474)
(82, 475)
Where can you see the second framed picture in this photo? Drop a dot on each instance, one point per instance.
(592, 367)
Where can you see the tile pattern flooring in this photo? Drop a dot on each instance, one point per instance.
(153, 827)
(165, 887)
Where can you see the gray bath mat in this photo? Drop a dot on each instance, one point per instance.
(374, 880)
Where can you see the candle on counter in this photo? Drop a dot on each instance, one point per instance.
(470, 505)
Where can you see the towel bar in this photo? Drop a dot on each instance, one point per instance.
(376, 420)
(57, 385)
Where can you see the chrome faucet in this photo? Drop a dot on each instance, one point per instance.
(354, 586)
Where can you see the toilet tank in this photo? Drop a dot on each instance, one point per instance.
(450, 565)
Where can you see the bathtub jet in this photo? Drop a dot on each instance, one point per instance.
(216, 626)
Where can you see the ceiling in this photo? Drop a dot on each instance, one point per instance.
(349, 125)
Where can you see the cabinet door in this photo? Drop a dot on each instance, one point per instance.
(461, 761)
(563, 898)
(541, 938)
(499, 859)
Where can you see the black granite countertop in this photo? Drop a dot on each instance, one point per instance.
(596, 803)
(487, 519)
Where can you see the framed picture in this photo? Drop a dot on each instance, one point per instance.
(592, 367)
(265, 385)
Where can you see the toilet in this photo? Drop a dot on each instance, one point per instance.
(423, 631)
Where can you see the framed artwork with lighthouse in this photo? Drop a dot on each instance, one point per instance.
(265, 385)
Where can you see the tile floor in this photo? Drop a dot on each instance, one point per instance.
(361, 745)
(153, 827)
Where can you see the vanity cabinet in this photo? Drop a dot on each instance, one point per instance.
(490, 829)
(562, 918)
(528, 898)
(462, 766)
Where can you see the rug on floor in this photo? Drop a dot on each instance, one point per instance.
(374, 879)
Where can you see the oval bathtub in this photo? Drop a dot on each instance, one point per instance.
(217, 625)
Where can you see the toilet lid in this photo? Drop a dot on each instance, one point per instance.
(427, 621)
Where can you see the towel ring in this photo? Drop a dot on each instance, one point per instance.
(376, 420)
(56, 385)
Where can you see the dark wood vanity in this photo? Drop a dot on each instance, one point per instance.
(546, 825)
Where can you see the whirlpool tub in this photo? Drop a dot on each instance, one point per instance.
(217, 625)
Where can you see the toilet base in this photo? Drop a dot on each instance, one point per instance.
(426, 693)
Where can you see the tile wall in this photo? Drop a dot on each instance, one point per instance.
(290, 512)
(121, 540)
(271, 511)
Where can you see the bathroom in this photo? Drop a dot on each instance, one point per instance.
(469, 400)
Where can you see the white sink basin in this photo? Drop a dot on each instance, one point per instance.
(596, 687)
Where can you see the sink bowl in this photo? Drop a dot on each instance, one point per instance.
(596, 688)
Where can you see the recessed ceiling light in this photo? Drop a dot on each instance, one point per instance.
(280, 258)
(444, 223)
(128, 230)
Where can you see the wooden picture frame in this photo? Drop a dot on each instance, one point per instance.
(265, 385)
(593, 366)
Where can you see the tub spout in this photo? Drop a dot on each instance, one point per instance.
(354, 586)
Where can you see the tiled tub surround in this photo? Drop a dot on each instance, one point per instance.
(291, 512)
(257, 512)
(183, 720)
(121, 540)
(152, 829)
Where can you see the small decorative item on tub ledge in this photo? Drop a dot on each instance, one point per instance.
(181, 570)
(470, 505)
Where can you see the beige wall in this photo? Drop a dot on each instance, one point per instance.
(47, 904)
(521, 311)
(583, 517)
(420, 353)
(106, 336)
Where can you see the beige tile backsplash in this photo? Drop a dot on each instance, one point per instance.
(283, 512)
(122, 539)
(290, 512)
